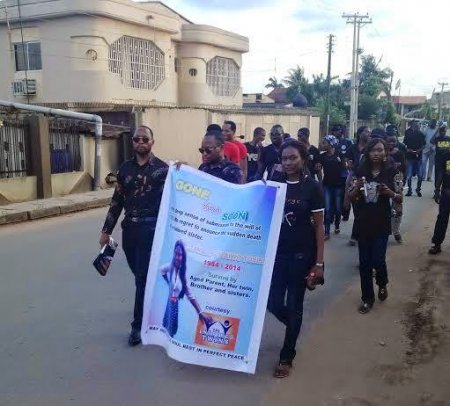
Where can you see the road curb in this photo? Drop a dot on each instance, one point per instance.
(12, 216)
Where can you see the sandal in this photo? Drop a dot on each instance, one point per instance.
(282, 370)
(365, 308)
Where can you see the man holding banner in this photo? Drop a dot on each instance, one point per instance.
(140, 183)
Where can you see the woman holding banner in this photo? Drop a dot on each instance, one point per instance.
(175, 276)
(299, 259)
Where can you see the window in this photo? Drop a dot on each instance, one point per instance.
(193, 72)
(28, 56)
(223, 76)
(139, 62)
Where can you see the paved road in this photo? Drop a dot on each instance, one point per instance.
(64, 328)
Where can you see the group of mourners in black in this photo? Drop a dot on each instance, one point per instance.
(323, 185)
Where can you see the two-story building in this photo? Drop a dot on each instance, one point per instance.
(80, 53)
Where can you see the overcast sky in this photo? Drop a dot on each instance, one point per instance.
(411, 39)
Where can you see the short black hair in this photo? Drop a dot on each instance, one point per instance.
(276, 126)
(258, 131)
(218, 137)
(214, 127)
(299, 146)
(232, 125)
(147, 128)
(303, 131)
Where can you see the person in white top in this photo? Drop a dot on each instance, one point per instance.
(429, 152)
(175, 276)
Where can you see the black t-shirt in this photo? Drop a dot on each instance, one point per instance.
(374, 219)
(252, 160)
(297, 234)
(269, 157)
(442, 146)
(444, 166)
(313, 159)
(399, 160)
(355, 155)
(414, 140)
(332, 170)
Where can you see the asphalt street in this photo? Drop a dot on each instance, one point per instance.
(64, 330)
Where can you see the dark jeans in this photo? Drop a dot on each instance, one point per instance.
(442, 219)
(137, 240)
(333, 206)
(289, 273)
(413, 168)
(372, 255)
(437, 174)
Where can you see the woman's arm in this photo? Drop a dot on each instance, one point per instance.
(317, 269)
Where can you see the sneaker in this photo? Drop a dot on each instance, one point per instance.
(428, 179)
(382, 293)
(134, 338)
(365, 307)
(408, 193)
(419, 193)
(398, 238)
(435, 249)
(327, 237)
(337, 230)
(351, 242)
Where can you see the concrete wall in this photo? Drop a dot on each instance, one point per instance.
(13, 190)
(21, 189)
(178, 132)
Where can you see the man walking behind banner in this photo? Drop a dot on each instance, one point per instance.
(429, 151)
(415, 142)
(140, 183)
(214, 161)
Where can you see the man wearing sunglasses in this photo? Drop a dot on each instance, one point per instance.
(214, 161)
(140, 183)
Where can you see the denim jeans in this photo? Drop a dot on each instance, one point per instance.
(333, 206)
(414, 168)
(440, 228)
(372, 255)
(428, 158)
(137, 240)
(289, 273)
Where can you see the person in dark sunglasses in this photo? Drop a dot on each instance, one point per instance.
(140, 183)
(214, 161)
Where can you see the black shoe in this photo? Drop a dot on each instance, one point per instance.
(365, 307)
(345, 218)
(435, 249)
(337, 230)
(382, 293)
(428, 179)
(134, 338)
(419, 194)
(398, 238)
(409, 193)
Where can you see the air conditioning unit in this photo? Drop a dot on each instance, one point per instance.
(24, 87)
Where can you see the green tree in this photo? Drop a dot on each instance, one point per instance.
(295, 82)
(373, 79)
(273, 83)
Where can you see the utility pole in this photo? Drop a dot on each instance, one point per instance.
(441, 98)
(358, 21)
(327, 102)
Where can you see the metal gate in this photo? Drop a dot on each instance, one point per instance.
(14, 151)
(65, 154)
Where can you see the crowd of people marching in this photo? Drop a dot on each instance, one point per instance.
(366, 176)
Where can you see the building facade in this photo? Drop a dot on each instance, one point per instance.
(77, 53)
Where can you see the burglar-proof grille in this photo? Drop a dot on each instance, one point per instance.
(139, 63)
(223, 76)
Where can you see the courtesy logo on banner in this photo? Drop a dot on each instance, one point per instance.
(221, 333)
